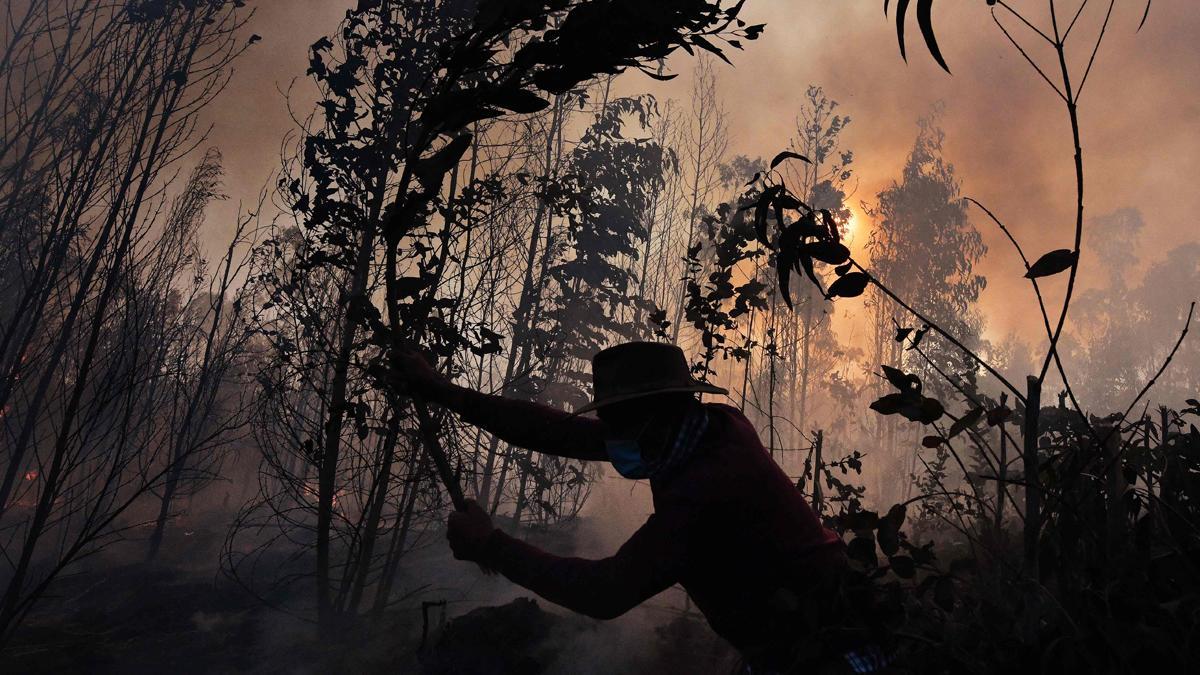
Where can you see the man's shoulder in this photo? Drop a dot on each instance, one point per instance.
(725, 419)
(723, 409)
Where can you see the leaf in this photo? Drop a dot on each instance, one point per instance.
(849, 286)
(925, 21)
(831, 225)
(888, 538)
(859, 520)
(943, 593)
(901, 9)
(889, 404)
(965, 422)
(828, 252)
(932, 441)
(902, 334)
(778, 215)
(996, 416)
(805, 263)
(841, 270)
(903, 566)
(788, 154)
(710, 47)
(761, 210)
(923, 555)
(760, 221)
(898, 378)
(789, 201)
(895, 517)
(888, 532)
(411, 286)
(1052, 263)
(862, 549)
(784, 265)
(518, 100)
(930, 411)
(920, 335)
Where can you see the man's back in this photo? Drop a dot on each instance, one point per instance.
(753, 551)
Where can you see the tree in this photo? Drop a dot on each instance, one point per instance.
(99, 288)
(703, 150)
(591, 283)
(401, 89)
(822, 182)
(1123, 316)
(923, 247)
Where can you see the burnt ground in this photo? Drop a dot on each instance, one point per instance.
(180, 615)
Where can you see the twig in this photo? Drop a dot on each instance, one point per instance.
(1073, 115)
(1153, 380)
(1021, 49)
(1074, 19)
(938, 329)
(1095, 48)
(1026, 21)
(1037, 291)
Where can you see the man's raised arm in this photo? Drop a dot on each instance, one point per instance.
(527, 425)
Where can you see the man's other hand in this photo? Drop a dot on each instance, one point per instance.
(468, 531)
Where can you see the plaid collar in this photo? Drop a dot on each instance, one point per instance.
(695, 422)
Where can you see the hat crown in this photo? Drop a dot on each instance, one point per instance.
(636, 369)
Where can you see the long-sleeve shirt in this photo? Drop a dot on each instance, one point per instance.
(729, 526)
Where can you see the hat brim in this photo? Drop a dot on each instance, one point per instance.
(697, 388)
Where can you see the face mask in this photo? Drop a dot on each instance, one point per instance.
(626, 457)
(625, 454)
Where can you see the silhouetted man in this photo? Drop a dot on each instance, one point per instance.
(728, 524)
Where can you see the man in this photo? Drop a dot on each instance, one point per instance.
(728, 524)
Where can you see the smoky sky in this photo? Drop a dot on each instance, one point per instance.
(1007, 133)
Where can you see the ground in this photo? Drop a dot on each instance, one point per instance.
(180, 615)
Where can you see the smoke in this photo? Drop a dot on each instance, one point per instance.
(633, 642)
(1006, 132)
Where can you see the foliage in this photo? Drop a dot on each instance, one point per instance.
(713, 304)
(594, 300)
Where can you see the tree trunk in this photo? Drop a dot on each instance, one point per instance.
(1033, 492)
(371, 527)
(1002, 468)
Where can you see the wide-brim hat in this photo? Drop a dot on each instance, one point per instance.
(637, 369)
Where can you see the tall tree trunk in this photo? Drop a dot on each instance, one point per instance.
(331, 444)
(1033, 492)
(408, 502)
(529, 298)
(379, 498)
(1002, 468)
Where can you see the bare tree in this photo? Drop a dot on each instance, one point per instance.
(701, 153)
(107, 103)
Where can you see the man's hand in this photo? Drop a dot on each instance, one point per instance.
(415, 373)
(468, 531)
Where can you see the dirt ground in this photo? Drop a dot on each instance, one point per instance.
(180, 615)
